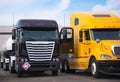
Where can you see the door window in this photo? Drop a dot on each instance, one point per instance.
(66, 33)
(87, 36)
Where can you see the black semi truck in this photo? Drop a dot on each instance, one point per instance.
(36, 46)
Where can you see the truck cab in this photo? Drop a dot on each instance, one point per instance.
(36, 46)
(95, 43)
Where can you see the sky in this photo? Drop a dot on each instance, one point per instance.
(60, 10)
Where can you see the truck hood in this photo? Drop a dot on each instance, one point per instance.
(107, 45)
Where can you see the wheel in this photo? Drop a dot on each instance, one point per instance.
(55, 73)
(5, 66)
(1, 64)
(66, 66)
(11, 68)
(19, 74)
(62, 68)
(94, 68)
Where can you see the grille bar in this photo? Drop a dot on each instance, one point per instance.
(116, 50)
(40, 50)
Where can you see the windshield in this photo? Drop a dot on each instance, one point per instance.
(40, 34)
(106, 34)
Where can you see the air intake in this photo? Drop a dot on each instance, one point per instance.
(101, 15)
(40, 50)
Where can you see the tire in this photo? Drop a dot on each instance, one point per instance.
(20, 74)
(55, 73)
(62, 68)
(1, 64)
(94, 69)
(66, 67)
(11, 68)
(5, 66)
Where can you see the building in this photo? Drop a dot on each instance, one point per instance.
(5, 33)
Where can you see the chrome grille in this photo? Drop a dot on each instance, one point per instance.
(40, 50)
(116, 50)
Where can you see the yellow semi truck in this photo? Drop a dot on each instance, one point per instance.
(91, 43)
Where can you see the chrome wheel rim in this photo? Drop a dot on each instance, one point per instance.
(93, 68)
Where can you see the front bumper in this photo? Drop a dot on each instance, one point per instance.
(40, 66)
(109, 66)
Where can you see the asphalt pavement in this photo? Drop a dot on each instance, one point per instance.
(5, 76)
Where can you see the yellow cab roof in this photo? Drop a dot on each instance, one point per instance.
(95, 20)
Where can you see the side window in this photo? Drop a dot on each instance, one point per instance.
(81, 36)
(87, 35)
(66, 33)
(69, 34)
(63, 34)
(76, 21)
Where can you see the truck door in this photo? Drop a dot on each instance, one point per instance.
(66, 43)
(84, 48)
(87, 42)
(84, 42)
(81, 44)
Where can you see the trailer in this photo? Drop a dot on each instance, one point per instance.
(8, 56)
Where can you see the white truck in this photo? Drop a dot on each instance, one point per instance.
(8, 56)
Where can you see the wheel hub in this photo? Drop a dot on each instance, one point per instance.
(93, 68)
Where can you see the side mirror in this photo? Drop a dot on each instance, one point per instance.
(13, 34)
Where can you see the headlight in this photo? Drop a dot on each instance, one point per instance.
(55, 59)
(24, 59)
(105, 56)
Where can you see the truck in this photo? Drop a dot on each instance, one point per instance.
(36, 46)
(8, 56)
(91, 43)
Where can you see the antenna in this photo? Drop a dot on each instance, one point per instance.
(13, 18)
(64, 19)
